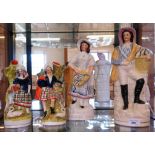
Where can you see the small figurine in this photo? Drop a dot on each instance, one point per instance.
(18, 98)
(51, 95)
(102, 79)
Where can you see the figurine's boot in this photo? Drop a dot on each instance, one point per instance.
(52, 110)
(74, 100)
(82, 102)
(45, 113)
(138, 89)
(124, 92)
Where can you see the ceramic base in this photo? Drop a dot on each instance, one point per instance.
(48, 123)
(75, 112)
(133, 123)
(137, 115)
(54, 119)
(17, 124)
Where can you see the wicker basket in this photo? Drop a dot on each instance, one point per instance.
(80, 79)
(142, 65)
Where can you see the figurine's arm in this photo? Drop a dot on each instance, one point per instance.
(132, 54)
(91, 65)
(115, 57)
(76, 69)
(73, 63)
(55, 80)
(116, 62)
(29, 88)
(137, 51)
(29, 85)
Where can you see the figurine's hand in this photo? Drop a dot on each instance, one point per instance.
(10, 90)
(125, 62)
(77, 70)
(18, 85)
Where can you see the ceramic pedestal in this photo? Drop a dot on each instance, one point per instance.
(75, 112)
(137, 115)
(54, 119)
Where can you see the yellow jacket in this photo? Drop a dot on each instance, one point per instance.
(115, 56)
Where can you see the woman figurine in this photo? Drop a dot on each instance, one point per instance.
(130, 83)
(102, 76)
(22, 87)
(17, 111)
(47, 82)
(83, 81)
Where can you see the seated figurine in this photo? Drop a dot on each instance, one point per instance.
(18, 98)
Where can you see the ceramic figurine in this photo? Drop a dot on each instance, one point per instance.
(129, 74)
(18, 97)
(102, 79)
(83, 83)
(50, 92)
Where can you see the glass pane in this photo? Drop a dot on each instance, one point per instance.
(20, 27)
(71, 27)
(20, 46)
(125, 25)
(96, 27)
(52, 40)
(62, 40)
(52, 27)
(60, 35)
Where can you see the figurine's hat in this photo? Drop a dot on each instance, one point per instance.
(83, 41)
(20, 67)
(14, 62)
(122, 30)
(48, 65)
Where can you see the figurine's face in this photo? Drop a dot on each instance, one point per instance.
(126, 37)
(101, 56)
(84, 47)
(48, 70)
(21, 72)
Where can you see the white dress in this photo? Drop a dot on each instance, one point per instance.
(83, 60)
(102, 76)
(83, 93)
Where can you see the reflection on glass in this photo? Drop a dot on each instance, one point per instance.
(36, 105)
(125, 25)
(20, 45)
(20, 27)
(101, 40)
